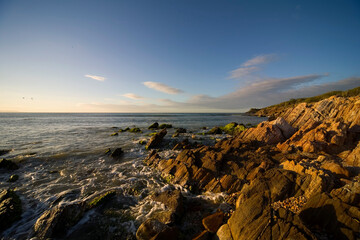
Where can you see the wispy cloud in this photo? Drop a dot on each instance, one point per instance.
(132, 96)
(162, 88)
(261, 59)
(251, 66)
(97, 78)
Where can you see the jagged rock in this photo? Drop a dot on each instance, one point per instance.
(349, 194)
(224, 233)
(180, 130)
(336, 168)
(8, 164)
(155, 125)
(265, 132)
(10, 208)
(173, 200)
(353, 159)
(215, 130)
(286, 129)
(332, 217)
(156, 139)
(55, 222)
(213, 222)
(328, 136)
(153, 229)
(117, 153)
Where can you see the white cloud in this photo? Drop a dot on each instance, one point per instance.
(132, 96)
(261, 59)
(97, 78)
(250, 66)
(162, 87)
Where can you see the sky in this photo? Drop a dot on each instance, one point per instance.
(173, 56)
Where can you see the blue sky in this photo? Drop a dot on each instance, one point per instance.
(173, 56)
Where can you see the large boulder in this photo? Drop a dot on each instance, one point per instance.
(55, 222)
(156, 139)
(332, 217)
(8, 164)
(153, 229)
(173, 200)
(265, 132)
(10, 208)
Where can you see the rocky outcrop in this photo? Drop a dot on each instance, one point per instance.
(153, 229)
(268, 132)
(55, 222)
(173, 200)
(156, 139)
(10, 208)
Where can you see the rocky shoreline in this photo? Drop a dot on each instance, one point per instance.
(294, 177)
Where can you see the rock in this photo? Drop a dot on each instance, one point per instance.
(155, 125)
(13, 178)
(213, 222)
(329, 136)
(215, 130)
(55, 222)
(10, 208)
(173, 200)
(142, 142)
(8, 164)
(175, 135)
(114, 134)
(224, 233)
(180, 130)
(204, 235)
(150, 228)
(286, 129)
(265, 133)
(336, 168)
(101, 199)
(230, 128)
(108, 151)
(353, 159)
(117, 153)
(135, 130)
(4, 151)
(156, 139)
(331, 216)
(165, 125)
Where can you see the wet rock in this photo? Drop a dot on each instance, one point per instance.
(114, 134)
(213, 222)
(108, 151)
(153, 229)
(215, 130)
(165, 125)
(180, 130)
(8, 164)
(10, 208)
(117, 153)
(142, 142)
(155, 125)
(13, 178)
(54, 223)
(173, 200)
(224, 233)
(156, 139)
(4, 151)
(101, 199)
(135, 130)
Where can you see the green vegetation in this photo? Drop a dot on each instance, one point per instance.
(135, 130)
(165, 125)
(101, 199)
(294, 102)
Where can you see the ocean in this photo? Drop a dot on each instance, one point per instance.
(62, 157)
